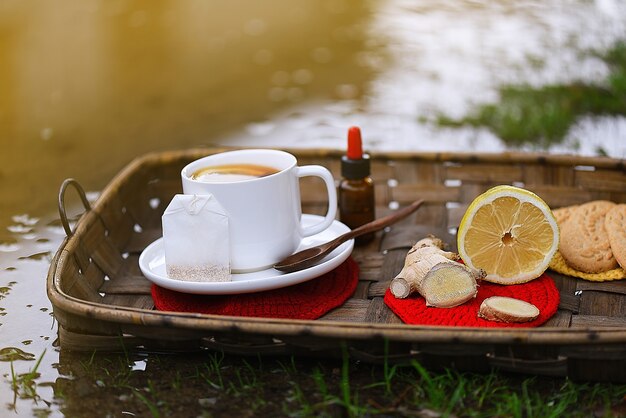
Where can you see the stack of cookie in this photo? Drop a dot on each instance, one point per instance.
(593, 236)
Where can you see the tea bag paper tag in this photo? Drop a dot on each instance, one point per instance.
(196, 239)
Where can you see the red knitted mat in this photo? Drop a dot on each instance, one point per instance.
(307, 300)
(541, 292)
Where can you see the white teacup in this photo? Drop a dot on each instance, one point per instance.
(264, 208)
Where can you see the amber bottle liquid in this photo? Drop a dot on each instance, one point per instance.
(356, 188)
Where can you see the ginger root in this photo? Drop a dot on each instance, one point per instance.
(505, 309)
(436, 275)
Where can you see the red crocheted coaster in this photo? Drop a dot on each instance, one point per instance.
(307, 300)
(541, 292)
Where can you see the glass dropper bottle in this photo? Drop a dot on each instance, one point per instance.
(356, 188)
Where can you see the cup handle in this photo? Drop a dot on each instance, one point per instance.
(324, 174)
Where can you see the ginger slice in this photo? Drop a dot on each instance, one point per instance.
(434, 273)
(448, 284)
(505, 309)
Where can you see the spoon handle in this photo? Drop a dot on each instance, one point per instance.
(307, 257)
(379, 223)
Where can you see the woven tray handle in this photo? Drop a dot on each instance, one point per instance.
(62, 212)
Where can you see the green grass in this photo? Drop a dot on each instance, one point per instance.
(542, 116)
(213, 384)
(24, 385)
(211, 371)
(145, 396)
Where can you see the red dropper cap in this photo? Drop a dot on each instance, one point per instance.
(355, 164)
(355, 147)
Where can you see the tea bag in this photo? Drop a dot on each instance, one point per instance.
(196, 239)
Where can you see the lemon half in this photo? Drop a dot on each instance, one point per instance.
(510, 233)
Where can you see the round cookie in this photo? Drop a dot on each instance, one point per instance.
(563, 214)
(615, 225)
(584, 242)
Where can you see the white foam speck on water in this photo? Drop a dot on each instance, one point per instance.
(19, 229)
(449, 57)
(25, 219)
(92, 196)
(8, 248)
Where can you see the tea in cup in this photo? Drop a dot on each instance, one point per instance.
(232, 172)
(259, 190)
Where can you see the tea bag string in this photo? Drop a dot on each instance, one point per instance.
(194, 205)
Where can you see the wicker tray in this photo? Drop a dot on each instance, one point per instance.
(102, 301)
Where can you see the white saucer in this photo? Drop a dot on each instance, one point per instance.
(152, 265)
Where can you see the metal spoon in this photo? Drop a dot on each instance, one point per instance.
(310, 256)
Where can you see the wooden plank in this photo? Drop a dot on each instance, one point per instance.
(75, 285)
(114, 217)
(561, 319)
(469, 191)
(486, 173)
(378, 312)
(353, 310)
(568, 291)
(403, 238)
(602, 303)
(406, 193)
(131, 266)
(601, 180)
(455, 214)
(163, 187)
(82, 256)
(596, 321)
(563, 176)
(435, 215)
(126, 285)
(133, 301)
(369, 264)
(394, 260)
(615, 286)
(421, 173)
(101, 249)
(617, 196)
(139, 241)
(537, 174)
(382, 169)
(569, 302)
(378, 289)
(559, 196)
(108, 258)
(93, 276)
(362, 289)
